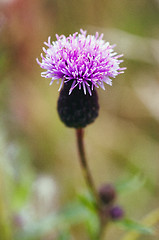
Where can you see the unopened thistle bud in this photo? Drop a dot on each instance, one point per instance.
(107, 193)
(116, 213)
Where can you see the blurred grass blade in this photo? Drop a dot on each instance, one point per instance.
(139, 228)
(130, 185)
(87, 200)
(148, 222)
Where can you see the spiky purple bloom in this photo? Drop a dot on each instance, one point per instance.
(86, 61)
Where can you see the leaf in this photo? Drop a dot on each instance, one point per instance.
(74, 213)
(132, 225)
(87, 200)
(130, 185)
(149, 220)
(93, 226)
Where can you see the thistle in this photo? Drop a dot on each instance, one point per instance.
(85, 61)
(82, 63)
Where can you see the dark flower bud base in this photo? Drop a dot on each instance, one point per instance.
(77, 110)
(107, 193)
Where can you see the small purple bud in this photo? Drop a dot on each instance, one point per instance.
(107, 193)
(116, 213)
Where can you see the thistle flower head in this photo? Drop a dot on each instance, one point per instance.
(86, 61)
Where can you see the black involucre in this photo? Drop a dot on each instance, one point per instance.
(77, 110)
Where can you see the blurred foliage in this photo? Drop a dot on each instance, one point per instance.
(39, 170)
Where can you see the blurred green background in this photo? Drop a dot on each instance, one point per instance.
(39, 168)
